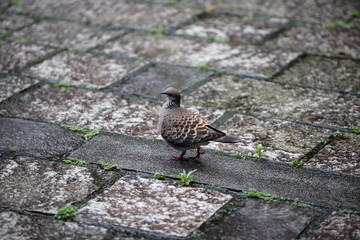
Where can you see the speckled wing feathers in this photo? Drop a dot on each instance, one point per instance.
(187, 130)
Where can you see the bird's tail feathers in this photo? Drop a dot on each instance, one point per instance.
(228, 139)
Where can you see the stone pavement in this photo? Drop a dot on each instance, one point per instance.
(79, 99)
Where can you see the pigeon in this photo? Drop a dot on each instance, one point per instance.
(184, 130)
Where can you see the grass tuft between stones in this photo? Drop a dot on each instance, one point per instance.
(88, 133)
(66, 212)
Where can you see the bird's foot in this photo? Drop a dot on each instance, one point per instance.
(197, 155)
(181, 157)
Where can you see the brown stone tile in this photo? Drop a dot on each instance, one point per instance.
(282, 140)
(153, 205)
(341, 155)
(326, 73)
(45, 186)
(338, 226)
(62, 33)
(233, 29)
(249, 60)
(320, 39)
(269, 99)
(10, 85)
(14, 56)
(86, 70)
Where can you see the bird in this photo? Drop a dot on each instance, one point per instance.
(184, 130)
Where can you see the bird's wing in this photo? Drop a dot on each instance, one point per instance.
(187, 130)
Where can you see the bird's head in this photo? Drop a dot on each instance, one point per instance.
(173, 95)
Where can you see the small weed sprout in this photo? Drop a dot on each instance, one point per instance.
(88, 133)
(21, 41)
(336, 133)
(159, 175)
(5, 34)
(107, 166)
(355, 129)
(296, 203)
(297, 163)
(257, 194)
(206, 68)
(66, 212)
(63, 84)
(259, 151)
(75, 161)
(356, 13)
(185, 177)
(239, 155)
(156, 31)
(347, 211)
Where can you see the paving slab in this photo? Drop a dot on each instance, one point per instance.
(153, 205)
(17, 226)
(338, 226)
(309, 185)
(63, 33)
(36, 138)
(10, 22)
(320, 39)
(269, 99)
(44, 186)
(282, 140)
(94, 110)
(249, 59)
(83, 69)
(124, 13)
(259, 219)
(341, 155)
(300, 9)
(157, 78)
(325, 73)
(15, 56)
(10, 85)
(233, 29)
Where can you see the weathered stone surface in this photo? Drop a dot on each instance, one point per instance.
(341, 155)
(94, 110)
(300, 9)
(10, 85)
(44, 186)
(320, 39)
(326, 73)
(269, 99)
(282, 140)
(258, 219)
(153, 205)
(82, 69)
(14, 56)
(250, 60)
(35, 138)
(234, 29)
(12, 22)
(308, 185)
(61, 34)
(156, 79)
(16, 226)
(124, 13)
(338, 226)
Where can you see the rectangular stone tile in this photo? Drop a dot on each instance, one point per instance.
(300, 9)
(10, 85)
(338, 226)
(94, 110)
(113, 12)
(233, 29)
(341, 155)
(153, 205)
(326, 73)
(82, 69)
(12, 22)
(320, 39)
(156, 79)
(62, 33)
(250, 60)
(44, 186)
(282, 140)
(309, 185)
(15, 56)
(269, 99)
(17, 226)
(36, 138)
(259, 219)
